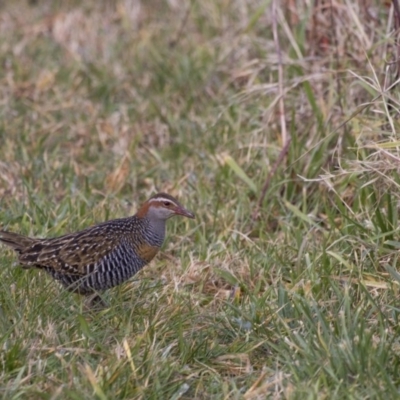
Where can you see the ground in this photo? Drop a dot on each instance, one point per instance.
(276, 123)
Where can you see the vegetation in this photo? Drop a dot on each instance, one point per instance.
(293, 295)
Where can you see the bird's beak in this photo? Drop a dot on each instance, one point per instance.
(182, 211)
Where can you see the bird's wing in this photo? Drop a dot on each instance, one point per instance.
(75, 254)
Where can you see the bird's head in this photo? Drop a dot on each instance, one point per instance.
(162, 206)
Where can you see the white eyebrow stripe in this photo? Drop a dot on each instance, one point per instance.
(162, 199)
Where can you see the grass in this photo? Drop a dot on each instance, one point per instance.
(104, 103)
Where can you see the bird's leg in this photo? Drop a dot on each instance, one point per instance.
(95, 302)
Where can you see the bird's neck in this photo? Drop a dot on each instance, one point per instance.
(157, 227)
(153, 230)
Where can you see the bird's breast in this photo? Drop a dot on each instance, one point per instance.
(147, 252)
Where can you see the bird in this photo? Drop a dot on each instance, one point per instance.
(103, 256)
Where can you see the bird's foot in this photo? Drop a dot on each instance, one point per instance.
(95, 303)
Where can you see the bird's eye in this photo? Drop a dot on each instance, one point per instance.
(167, 203)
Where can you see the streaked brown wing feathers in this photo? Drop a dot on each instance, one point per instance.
(70, 254)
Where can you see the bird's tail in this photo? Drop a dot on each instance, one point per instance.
(16, 241)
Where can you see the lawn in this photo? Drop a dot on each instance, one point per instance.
(276, 123)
